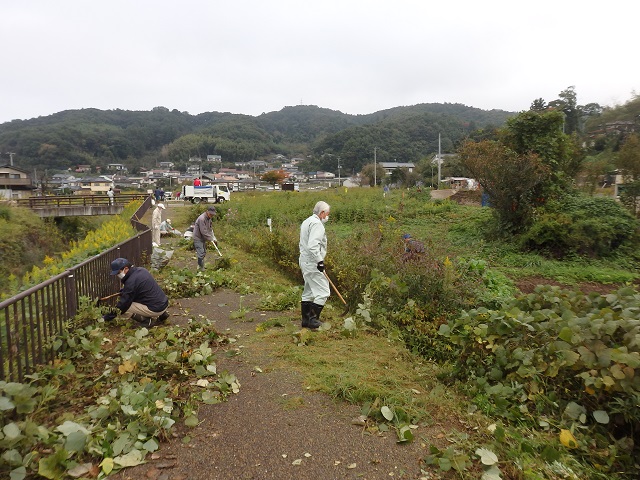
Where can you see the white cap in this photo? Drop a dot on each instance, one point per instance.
(168, 220)
(160, 205)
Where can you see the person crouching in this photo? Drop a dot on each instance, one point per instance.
(141, 298)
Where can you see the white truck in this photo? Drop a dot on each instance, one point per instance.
(206, 193)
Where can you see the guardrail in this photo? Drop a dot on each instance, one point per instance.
(30, 320)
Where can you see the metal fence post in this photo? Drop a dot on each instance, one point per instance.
(71, 297)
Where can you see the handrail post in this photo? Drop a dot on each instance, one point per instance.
(72, 302)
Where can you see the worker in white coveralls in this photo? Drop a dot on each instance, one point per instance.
(313, 249)
(156, 220)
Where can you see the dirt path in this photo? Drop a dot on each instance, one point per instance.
(274, 428)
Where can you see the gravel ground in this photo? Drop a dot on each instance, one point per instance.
(273, 428)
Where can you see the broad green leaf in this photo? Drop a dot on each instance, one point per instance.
(550, 454)
(128, 410)
(405, 434)
(150, 445)
(386, 413)
(191, 421)
(12, 457)
(19, 473)
(172, 357)
(12, 431)
(566, 334)
(80, 470)
(25, 404)
(141, 333)
(460, 462)
(493, 473)
(76, 441)
(444, 464)
(601, 416)
(69, 427)
(131, 459)
(608, 381)
(574, 410)
(6, 404)
(487, 457)
(52, 467)
(122, 443)
(570, 357)
(349, 324)
(209, 397)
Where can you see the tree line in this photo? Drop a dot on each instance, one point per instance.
(142, 138)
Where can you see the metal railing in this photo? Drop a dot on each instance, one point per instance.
(30, 320)
(78, 200)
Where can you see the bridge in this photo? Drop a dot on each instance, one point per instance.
(79, 205)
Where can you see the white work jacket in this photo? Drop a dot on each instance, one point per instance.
(313, 241)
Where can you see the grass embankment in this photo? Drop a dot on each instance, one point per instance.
(389, 358)
(34, 249)
(548, 433)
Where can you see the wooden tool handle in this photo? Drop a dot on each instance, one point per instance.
(334, 287)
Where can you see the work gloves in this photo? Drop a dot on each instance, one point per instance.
(321, 266)
(107, 317)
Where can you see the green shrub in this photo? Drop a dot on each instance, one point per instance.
(582, 225)
(561, 358)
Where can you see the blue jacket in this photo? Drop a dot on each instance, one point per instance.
(141, 287)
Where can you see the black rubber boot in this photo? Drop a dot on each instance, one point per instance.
(317, 310)
(162, 318)
(309, 319)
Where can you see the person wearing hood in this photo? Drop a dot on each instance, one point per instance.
(313, 249)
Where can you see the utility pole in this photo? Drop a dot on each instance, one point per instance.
(375, 167)
(11, 154)
(339, 167)
(439, 161)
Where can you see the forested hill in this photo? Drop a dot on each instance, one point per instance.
(141, 138)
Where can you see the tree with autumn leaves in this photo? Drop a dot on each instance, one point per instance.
(528, 173)
(531, 161)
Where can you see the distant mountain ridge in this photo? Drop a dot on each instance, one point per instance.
(137, 138)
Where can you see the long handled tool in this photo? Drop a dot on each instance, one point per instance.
(109, 296)
(102, 299)
(217, 249)
(334, 287)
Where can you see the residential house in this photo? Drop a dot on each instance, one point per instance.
(389, 167)
(214, 158)
(63, 183)
(193, 170)
(83, 168)
(118, 167)
(166, 165)
(94, 185)
(14, 183)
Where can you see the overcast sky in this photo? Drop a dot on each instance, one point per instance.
(355, 56)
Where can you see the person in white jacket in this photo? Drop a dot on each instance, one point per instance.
(156, 220)
(313, 249)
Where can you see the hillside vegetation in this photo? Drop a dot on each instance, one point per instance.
(139, 138)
